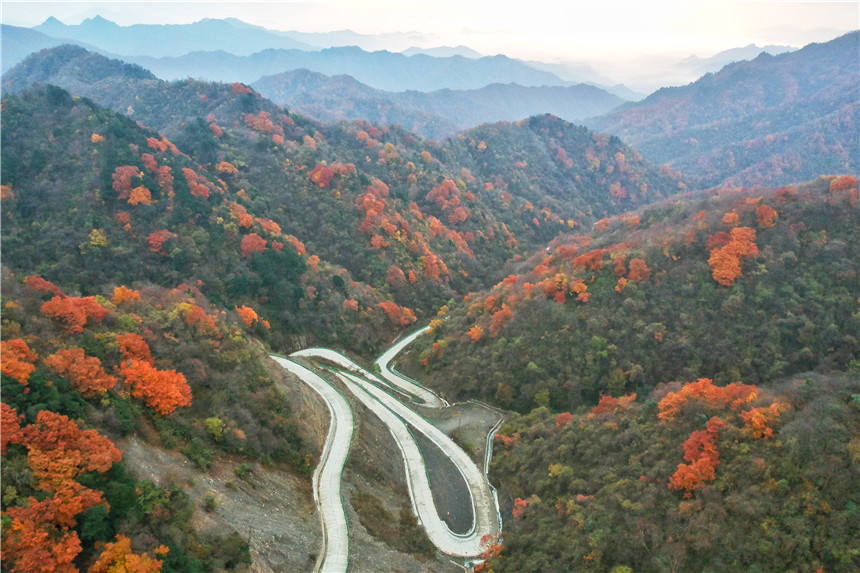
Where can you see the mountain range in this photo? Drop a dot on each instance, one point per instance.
(677, 365)
(773, 120)
(437, 114)
(243, 39)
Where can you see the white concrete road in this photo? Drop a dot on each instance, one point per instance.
(401, 420)
(334, 556)
(424, 396)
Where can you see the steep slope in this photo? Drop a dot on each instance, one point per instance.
(735, 286)
(331, 99)
(159, 367)
(664, 368)
(774, 484)
(774, 120)
(420, 220)
(437, 114)
(73, 67)
(130, 206)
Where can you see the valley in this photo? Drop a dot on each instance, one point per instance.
(610, 335)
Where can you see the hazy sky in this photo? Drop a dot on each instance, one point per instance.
(605, 33)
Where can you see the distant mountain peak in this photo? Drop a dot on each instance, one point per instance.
(99, 21)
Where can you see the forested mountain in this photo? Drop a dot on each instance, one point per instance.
(767, 486)
(679, 367)
(774, 120)
(436, 114)
(689, 378)
(734, 285)
(389, 206)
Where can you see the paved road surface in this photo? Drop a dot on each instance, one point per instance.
(334, 556)
(401, 420)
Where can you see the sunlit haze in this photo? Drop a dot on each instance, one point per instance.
(627, 41)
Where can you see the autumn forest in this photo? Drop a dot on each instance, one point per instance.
(662, 300)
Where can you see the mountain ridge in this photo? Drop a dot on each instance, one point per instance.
(343, 97)
(760, 117)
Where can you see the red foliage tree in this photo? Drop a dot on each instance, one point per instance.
(760, 420)
(261, 122)
(140, 194)
(321, 175)
(36, 282)
(701, 451)
(391, 310)
(717, 241)
(730, 219)
(703, 389)
(562, 419)
(639, 271)
(158, 238)
(84, 373)
(297, 245)
(726, 261)
(252, 243)
(161, 390)
(122, 177)
(226, 168)
(499, 318)
(247, 314)
(197, 317)
(59, 451)
(475, 333)
(269, 226)
(74, 312)
(195, 183)
(842, 183)
(32, 544)
(133, 346)
(10, 427)
(240, 88)
(592, 260)
(244, 219)
(16, 360)
(520, 506)
(766, 216)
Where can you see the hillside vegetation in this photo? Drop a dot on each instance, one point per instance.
(416, 221)
(771, 121)
(748, 286)
(689, 383)
(680, 365)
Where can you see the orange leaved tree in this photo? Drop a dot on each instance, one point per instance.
(74, 312)
(118, 557)
(133, 346)
(16, 360)
(84, 373)
(161, 390)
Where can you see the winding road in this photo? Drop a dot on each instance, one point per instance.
(379, 396)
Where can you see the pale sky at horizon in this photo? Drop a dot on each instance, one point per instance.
(547, 30)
